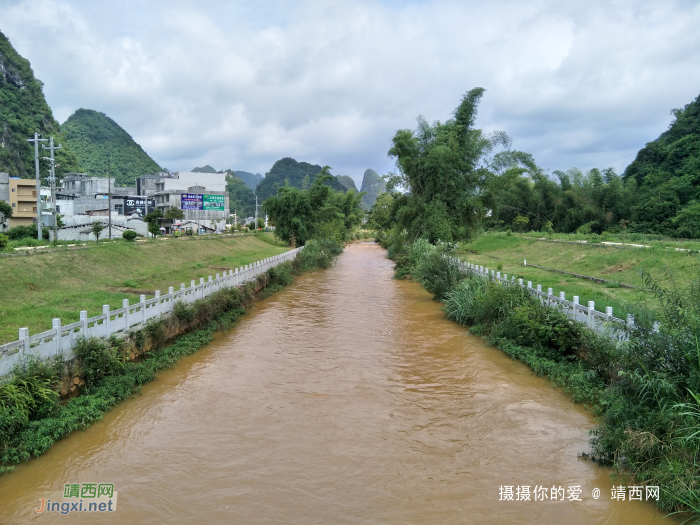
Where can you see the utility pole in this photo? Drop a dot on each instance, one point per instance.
(256, 211)
(36, 141)
(109, 195)
(52, 180)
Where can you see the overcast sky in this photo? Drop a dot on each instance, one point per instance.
(242, 84)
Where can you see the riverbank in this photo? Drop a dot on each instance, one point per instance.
(506, 254)
(60, 284)
(105, 372)
(345, 398)
(644, 390)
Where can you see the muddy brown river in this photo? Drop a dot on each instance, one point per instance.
(347, 398)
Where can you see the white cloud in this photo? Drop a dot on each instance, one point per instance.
(241, 85)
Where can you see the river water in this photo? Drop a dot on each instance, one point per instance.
(345, 398)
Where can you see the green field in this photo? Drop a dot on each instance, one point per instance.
(37, 288)
(595, 260)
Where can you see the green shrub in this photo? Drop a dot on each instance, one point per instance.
(99, 359)
(316, 255)
(184, 313)
(437, 272)
(282, 274)
(129, 235)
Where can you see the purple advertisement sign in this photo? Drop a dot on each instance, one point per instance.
(190, 201)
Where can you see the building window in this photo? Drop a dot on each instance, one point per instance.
(34, 208)
(14, 205)
(34, 193)
(13, 190)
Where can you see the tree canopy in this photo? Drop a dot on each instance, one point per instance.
(443, 171)
(318, 212)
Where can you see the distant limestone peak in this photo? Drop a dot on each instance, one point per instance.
(373, 184)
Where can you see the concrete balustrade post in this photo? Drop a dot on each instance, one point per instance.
(529, 284)
(171, 299)
(84, 323)
(591, 308)
(24, 337)
(158, 308)
(56, 325)
(498, 275)
(524, 262)
(520, 281)
(539, 287)
(125, 305)
(107, 321)
(608, 312)
(193, 293)
(143, 309)
(201, 287)
(562, 296)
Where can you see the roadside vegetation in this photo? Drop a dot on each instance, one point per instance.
(456, 195)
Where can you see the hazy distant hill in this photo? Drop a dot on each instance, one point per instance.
(288, 169)
(103, 147)
(347, 181)
(205, 169)
(23, 110)
(373, 184)
(251, 179)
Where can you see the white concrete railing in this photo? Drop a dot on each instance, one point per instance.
(604, 323)
(62, 339)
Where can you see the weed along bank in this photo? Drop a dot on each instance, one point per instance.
(345, 397)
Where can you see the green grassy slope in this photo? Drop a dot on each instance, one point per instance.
(41, 287)
(614, 264)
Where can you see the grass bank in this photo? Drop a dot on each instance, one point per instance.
(506, 253)
(32, 416)
(38, 288)
(645, 391)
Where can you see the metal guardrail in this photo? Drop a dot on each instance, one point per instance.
(61, 339)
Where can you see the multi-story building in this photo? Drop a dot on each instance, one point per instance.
(23, 201)
(202, 198)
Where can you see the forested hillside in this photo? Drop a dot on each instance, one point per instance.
(103, 146)
(241, 198)
(23, 110)
(347, 182)
(373, 185)
(667, 175)
(658, 193)
(299, 174)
